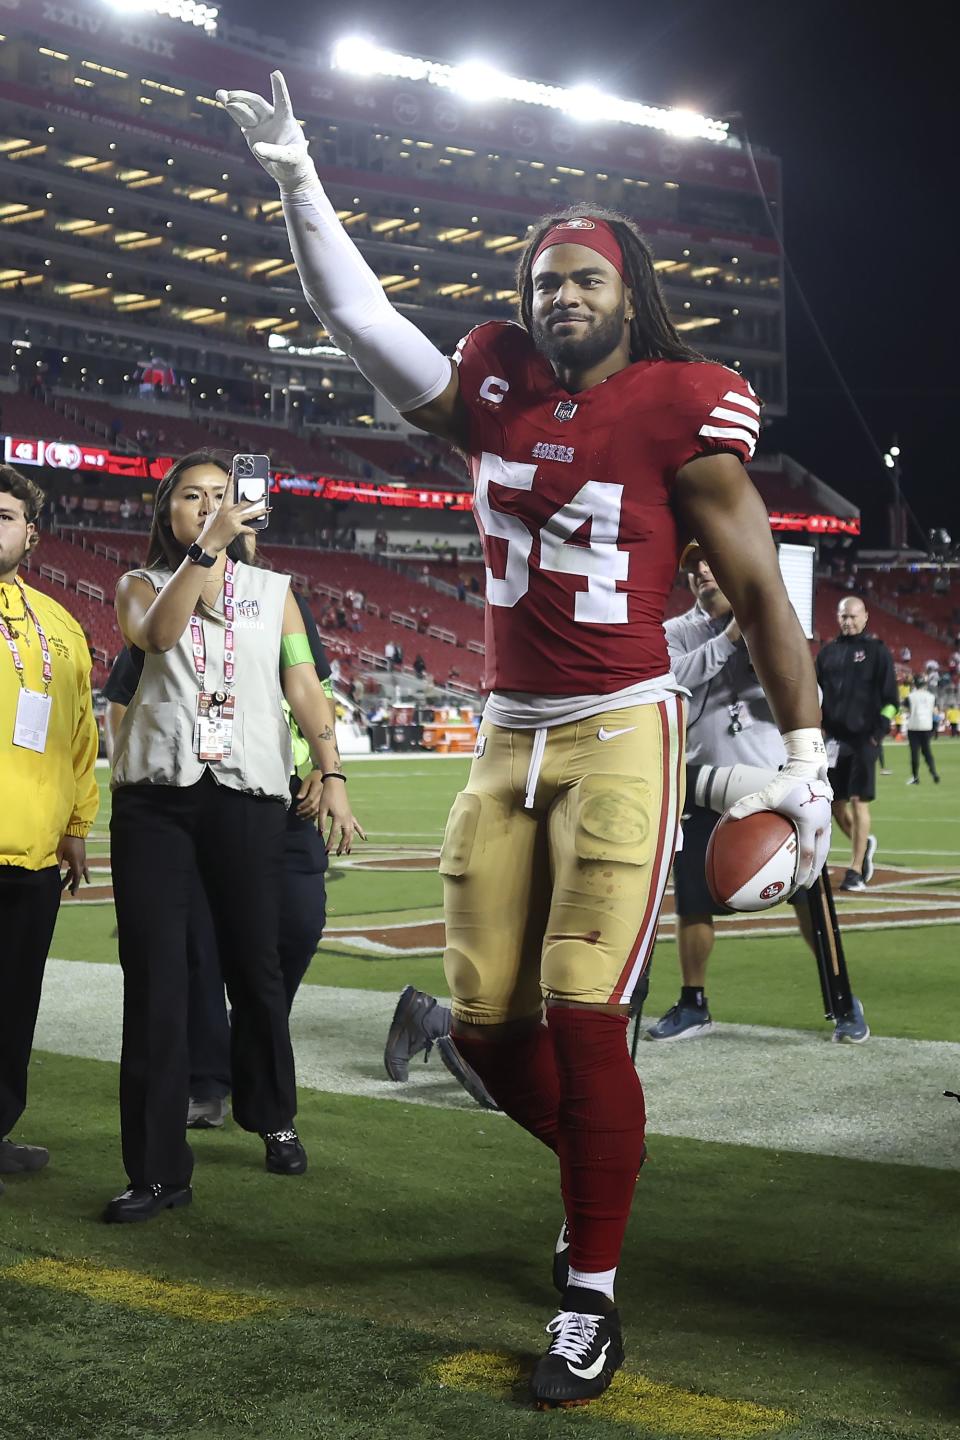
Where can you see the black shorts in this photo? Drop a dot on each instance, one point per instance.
(691, 891)
(855, 774)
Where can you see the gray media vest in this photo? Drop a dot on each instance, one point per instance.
(155, 740)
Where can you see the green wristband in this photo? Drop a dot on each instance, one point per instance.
(295, 650)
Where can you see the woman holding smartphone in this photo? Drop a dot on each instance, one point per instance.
(200, 784)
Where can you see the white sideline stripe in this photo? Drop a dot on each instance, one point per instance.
(783, 1090)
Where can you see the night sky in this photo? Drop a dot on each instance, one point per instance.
(855, 98)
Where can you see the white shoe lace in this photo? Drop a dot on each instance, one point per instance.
(575, 1333)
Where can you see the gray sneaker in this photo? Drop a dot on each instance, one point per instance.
(464, 1074)
(853, 880)
(681, 1022)
(868, 857)
(207, 1114)
(418, 1022)
(15, 1159)
(852, 1029)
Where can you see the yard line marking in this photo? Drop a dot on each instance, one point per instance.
(139, 1292)
(631, 1399)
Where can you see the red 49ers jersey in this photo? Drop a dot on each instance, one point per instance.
(572, 501)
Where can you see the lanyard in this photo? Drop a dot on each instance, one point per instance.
(44, 647)
(229, 652)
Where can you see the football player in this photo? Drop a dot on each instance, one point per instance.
(597, 441)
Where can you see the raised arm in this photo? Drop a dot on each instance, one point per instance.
(399, 361)
(154, 623)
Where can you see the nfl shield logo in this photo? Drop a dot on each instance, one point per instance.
(565, 410)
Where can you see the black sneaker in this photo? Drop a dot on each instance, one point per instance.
(464, 1074)
(418, 1021)
(284, 1153)
(584, 1355)
(853, 880)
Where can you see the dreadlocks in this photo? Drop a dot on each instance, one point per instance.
(652, 332)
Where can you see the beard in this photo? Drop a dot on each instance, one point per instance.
(599, 340)
(13, 557)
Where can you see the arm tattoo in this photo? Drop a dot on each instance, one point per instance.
(327, 734)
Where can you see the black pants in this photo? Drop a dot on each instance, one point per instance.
(920, 745)
(161, 837)
(29, 901)
(302, 918)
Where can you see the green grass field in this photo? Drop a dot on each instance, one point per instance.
(791, 1264)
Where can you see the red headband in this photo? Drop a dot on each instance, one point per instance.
(594, 235)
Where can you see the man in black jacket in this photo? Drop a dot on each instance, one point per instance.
(860, 698)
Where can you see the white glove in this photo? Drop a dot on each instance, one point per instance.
(800, 792)
(272, 132)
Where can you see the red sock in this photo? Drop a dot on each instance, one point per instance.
(521, 1075)
(600, 1132)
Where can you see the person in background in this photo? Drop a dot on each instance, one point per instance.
(729, 722)
(302, 902)
(920, 705)
(48, 793)
(860, 700)
(201, 769)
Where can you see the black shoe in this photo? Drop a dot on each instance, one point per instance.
(285, 1155)
(418, 1021)
(15, 1159)
(464, 1074)
(584, 1355)
(142, 1202)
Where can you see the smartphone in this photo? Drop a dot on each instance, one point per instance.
(251, 483)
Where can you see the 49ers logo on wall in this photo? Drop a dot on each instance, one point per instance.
(61, 454)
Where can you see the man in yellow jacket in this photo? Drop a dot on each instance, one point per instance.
(48, 792)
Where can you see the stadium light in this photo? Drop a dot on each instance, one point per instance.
(889, 460)
(895, 451)
(476, 80)
(190, 12)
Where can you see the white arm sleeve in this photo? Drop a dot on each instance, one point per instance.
(343, 292)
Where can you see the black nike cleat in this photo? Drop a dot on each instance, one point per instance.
(584, 1355)
(418, 1022)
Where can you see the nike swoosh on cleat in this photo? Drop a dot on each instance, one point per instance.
(592, 1371)
(603, 734)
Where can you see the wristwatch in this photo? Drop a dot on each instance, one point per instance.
(200, 557)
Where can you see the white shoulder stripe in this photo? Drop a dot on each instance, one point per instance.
(743, 400)
(730, 432)
(719, 413)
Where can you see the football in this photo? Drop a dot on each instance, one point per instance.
(752, 863)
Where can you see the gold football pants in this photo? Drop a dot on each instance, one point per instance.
(555, 860)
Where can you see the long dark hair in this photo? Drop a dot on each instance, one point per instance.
(164, 550)
(653, 335)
